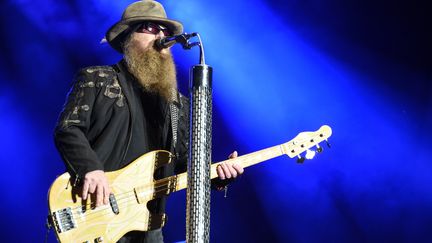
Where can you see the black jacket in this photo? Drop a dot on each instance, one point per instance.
(94, 131)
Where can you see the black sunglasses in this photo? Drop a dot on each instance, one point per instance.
(153, 28)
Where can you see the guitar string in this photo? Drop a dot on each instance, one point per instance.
(128, 195)
(107, 210)
(131, 197)
(101, 212)
(121, 200)
(158, 184)
(160, 181)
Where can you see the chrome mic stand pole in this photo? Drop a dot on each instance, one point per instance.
(200, 143)
(198, 191)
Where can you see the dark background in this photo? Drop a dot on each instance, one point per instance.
(281, 67)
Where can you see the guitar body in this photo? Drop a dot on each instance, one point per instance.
(76, 220)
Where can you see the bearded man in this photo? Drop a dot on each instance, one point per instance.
(114, 114)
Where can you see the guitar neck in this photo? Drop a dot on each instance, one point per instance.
(302, 142)
(180, 180)
(251, 159)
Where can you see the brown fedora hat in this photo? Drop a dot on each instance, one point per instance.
(138, 12)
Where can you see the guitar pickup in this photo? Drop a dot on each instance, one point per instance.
(113, 203)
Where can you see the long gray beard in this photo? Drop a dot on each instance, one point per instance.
(154, 71)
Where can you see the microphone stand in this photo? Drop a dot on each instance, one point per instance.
(200, 144)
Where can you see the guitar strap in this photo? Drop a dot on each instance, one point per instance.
(174, 110)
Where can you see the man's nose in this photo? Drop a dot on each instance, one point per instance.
(160, 34)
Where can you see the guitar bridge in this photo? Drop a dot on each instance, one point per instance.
(63, 220)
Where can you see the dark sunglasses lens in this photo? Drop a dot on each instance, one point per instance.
(152, 28)
(166, 32)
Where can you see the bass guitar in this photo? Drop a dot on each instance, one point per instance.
(78, 220)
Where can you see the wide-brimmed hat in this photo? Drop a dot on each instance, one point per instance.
(138, 12)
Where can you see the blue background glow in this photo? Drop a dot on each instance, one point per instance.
(280, 67)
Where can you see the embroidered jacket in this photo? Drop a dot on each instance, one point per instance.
(95, 127)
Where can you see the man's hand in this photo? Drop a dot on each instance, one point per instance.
(229, 170)
(95, 182)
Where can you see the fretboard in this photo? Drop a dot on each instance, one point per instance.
(180, 180)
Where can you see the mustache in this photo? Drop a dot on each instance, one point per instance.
(156, 45)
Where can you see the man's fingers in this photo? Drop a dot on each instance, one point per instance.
(229, 170)
(232, 171)
(238, 168)
(226, 171)
(96, 183)
(99, 194)
(106, 194)
(220, 172)
(233, 155)
(85, 190)
(92, 188)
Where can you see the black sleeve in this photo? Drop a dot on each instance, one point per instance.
(70, 134)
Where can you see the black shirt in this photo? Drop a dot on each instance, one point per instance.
(151, 122)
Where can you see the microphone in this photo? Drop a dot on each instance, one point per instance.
(169, 41)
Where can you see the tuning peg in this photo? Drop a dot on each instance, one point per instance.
(310, 154)
(319, 148)
(328, 144)
(300, 159)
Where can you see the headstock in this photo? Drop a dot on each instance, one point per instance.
(306, 140)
